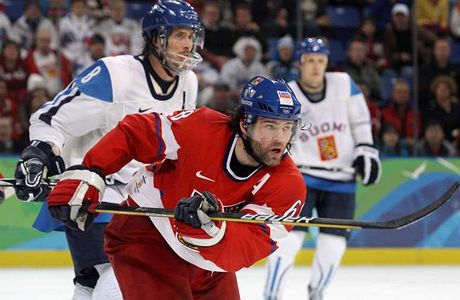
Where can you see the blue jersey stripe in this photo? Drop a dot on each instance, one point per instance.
(161, 145)
(96, 82)
(355, 90)
(47, 116)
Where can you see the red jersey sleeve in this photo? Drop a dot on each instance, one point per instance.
(245, 244)
(147, 138)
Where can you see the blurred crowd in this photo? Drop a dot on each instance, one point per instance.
(404, 60)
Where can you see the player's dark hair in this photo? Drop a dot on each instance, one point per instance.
(234, 124)
(148, 45)
(236, 117)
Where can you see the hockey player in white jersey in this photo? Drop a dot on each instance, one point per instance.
(337, 147)
(62, 130)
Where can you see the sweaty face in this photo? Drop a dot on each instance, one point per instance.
(269, 139)
(313, 67)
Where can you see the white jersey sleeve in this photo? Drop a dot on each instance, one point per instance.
(359, 116)
(77, 110)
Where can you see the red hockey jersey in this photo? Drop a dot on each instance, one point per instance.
(192, 152)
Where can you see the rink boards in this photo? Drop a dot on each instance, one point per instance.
(406, 185)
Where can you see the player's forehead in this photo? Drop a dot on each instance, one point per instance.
(181, 30)
(264, 120)
(314, 56)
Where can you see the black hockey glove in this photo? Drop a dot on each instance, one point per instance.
(367, 164)
(192, 225)
(187, 209)
(36, 163)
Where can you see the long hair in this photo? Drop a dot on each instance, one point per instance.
(236, 117)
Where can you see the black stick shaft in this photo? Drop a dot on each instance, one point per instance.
(291, 221)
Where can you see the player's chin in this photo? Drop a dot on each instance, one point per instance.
(273, 157)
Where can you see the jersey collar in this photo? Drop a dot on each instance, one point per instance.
(228, 159)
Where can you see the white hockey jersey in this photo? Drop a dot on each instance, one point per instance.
(334, 126)
(98, 99)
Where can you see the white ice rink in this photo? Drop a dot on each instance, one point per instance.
(351, 283)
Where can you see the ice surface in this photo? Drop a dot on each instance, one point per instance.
(351, 283)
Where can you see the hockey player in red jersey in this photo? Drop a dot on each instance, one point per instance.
(61, 132)
(200, 161)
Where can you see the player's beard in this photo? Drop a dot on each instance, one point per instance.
(270, 155)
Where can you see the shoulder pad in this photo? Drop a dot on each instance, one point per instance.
(95, 81)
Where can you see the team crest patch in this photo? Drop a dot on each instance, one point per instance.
(257, 80)
(285, 98)
(327, 148)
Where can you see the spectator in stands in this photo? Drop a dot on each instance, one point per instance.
(433, 142)
(218, 48)
(96, 50)
(375, 53)
(54, 9)
(390, 144)
(360, 69)
(37, 95)
(25, 28)
(380, 10)
(7, 144)
(455, 20)
(243, 26)
(445, 107)
(98, 9)
(433, 15)
(399, 113)
(263, 10)
(15, 72)
(278, 26)
(315, 20)
(374, 110)
(398, 41)
(219, 97)
(122, 35)
(53, 66)
(237, 71)
(5, 25)
(284, 67)
(9, 108)
(75, 29)
(456, 143)
(439, 65)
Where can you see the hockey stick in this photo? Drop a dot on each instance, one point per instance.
(290, 221)
(11, 182)
(348, 170)
(275, 219)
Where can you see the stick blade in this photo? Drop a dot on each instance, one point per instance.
(413, 217)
